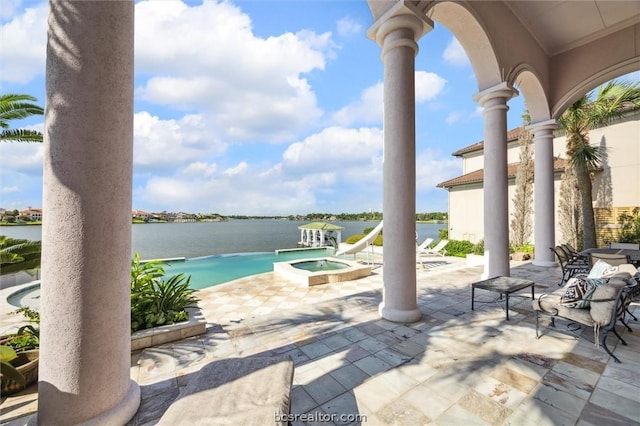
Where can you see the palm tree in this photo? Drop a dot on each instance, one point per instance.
(614, 100)
(16, 107)
(18, 254)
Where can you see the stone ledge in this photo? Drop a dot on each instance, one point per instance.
(195, 326)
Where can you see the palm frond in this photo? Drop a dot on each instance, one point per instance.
(587, 155)
(614, 100)
(21, 135)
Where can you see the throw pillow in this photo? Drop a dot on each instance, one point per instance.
(602, 268)
(576, 288)
(580, 292)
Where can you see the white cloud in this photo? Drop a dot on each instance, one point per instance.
(318, 172)
(428, 86)
(454, 54)
(432, 168)
(162, 146)
(199, 169)
(348, 26)
(21, 158)
(253, 88)
(334, 149)
(24, 44)
(9, 189)
(240, 169)
(368, 109)
(453, 117)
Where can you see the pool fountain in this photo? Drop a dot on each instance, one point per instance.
(317, 271)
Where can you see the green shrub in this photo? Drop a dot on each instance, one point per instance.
(479, 248)
(459, 248)
(443, 233)
(155, 301)
(527, 248)
(630, 229)
(28, 336)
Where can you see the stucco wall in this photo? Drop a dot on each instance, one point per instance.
(617, 185)
(466, 212)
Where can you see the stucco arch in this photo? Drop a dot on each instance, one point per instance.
(528, 84)
(473, 38)
(591, 82)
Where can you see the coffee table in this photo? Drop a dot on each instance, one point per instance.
(502, 285)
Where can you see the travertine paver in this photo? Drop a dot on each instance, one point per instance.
(455, 366)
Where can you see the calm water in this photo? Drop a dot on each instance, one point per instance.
(165, 240)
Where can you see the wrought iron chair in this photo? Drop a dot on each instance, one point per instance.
(570, 266)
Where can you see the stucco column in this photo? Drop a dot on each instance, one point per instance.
(85, 353)
(544, 206)
(495, 188)
(397, 34)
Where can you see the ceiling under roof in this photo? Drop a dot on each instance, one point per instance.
(560, 25)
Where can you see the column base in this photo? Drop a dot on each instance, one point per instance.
(399, 315)
(120, 414)
(547, 263)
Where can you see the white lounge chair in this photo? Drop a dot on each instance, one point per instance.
(437, 250)
(424, 245)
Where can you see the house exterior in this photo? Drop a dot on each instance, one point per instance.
(31, 213)
(616, 187)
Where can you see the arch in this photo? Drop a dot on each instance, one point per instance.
(525, 79)
(591, 82)
(472, 36)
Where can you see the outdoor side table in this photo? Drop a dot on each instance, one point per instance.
(502, 285)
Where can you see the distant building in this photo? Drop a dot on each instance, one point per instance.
(33, 214)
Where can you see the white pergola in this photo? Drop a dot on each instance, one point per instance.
(552, 51)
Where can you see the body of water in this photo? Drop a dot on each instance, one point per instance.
(167, 240)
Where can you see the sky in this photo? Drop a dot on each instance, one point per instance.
(257, 107)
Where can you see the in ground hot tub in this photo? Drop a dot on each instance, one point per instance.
(320, 271)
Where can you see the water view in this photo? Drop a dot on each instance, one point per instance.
(167, 240)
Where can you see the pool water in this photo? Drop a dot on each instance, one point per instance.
(211, 270)
(320, 265)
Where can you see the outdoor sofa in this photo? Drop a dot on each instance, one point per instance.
(596, 301)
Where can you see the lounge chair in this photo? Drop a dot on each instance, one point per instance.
(437, 250)
(424, 245)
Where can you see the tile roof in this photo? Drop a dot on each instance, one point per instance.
(512, 135)
(478, 175)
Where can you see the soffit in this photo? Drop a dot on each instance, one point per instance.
(561, 25)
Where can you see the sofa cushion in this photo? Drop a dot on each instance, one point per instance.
(603, 302)
(550, 303)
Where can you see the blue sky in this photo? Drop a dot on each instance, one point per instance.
(257, 107)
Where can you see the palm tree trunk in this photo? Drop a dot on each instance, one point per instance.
(588, 216)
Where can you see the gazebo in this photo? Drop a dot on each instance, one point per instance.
(320, 234)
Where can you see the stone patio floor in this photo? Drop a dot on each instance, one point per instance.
(453, 367)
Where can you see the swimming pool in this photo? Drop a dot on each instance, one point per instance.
(211, 270)
(205, 271)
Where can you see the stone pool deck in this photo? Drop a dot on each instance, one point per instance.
(454, 367)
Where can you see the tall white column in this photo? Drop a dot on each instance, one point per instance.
(85, 352)
(543, 188)
(496, 199)
(397, 33)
